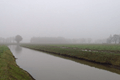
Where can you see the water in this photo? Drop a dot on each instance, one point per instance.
(43, 66)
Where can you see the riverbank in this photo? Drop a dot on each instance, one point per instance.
(101, 57)
(9, 70)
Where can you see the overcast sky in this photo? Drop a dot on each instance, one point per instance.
(53, 18)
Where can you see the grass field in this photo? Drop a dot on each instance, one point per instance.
(8, 68)
(105, 54)
(103, 47)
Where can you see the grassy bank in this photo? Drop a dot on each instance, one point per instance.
(8, 67)
(100, 56)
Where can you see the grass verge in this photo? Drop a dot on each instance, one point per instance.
(9, 70)
(98, 57)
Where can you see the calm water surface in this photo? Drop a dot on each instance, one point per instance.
(43, 66)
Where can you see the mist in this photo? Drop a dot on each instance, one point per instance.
(71, 19)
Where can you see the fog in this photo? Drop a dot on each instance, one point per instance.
(96, 19)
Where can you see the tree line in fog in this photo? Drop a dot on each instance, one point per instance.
(7, 40)
(113, 39)
(59, 40)
(17, 39)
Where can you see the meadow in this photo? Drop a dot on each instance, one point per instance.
(9, 70)
(98, 53)
(98, 47)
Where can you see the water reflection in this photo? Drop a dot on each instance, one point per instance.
(92, 64)
(43, 66)
(18, 49)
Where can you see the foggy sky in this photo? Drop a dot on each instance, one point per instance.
(53, 18)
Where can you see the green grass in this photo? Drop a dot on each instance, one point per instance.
(8, 67)
(76, 51)
(111, 47)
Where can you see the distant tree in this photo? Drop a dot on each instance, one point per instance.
(83, 40)
(89, 40)
(13, 39)
(18, 38)
(4, 40)
(109, 40)
(0, 40)
(115, 38)
(119, 39)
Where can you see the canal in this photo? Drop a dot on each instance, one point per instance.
(43, 66)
